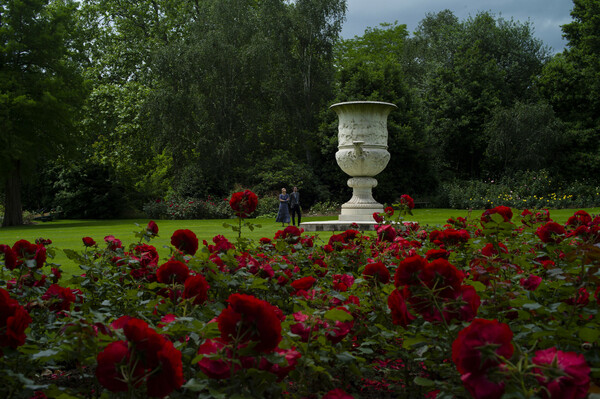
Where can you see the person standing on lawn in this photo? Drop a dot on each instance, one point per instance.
(283, 214)
(295, 206)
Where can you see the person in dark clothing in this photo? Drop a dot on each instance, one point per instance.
(295, 206)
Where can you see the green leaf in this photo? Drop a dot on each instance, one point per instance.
(338, 315)
(478, 285)
(424, 382)
(589, 334)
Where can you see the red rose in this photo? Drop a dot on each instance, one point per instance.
(340, 329)
(477, 347)
(503, 211)
(580, 218)
(170, 371)
(490, 250)
(148, 255)
(406, 199)
(243, 203)
(480, 386)
(581, 298)
(377, 270)
(113, 243)
(442, 275)
(408, 270)
(531, 283)
(59, 298)
(337, 394)
(251, 319)
(214, 367)
(551, 232)
(468, 301)
(400, 314)
(185, 241)
(155, 360)
(289, 232)
(88, 241)
(389, 211)
(570, 380)
(108, 370)
(303, 283)
(10, 257)
(152, 228)
(14, 320)
(24, 249)
(377, 217)
(173, 271)
(291, 357)
(437, 254)
(386, 232)
(196, 287)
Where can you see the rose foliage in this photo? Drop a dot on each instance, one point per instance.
(502, 305)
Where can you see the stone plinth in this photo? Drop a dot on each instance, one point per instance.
(338, 225)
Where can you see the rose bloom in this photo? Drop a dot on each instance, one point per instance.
(196, 287)
(437, 254)
(570, 380)
(397, 304)
(503, 211)
(389, 211)
(113, 243)
(152, 228)
(337, 393)
(386, 232)
(551, 232)
(303, 283)
(377, 217)
(253, 320)
(59, 298)
(476, 347)
(441, 274)
(14, 320)
(580, 218)
(480, 386)
(406, 199)
(378, 271)
(88, 241)
(531, 283)
(10, 257)
(216, 368)
(155, 357)
(243, 203)
(408, 270)
(24, 249)
(185, 241)
(172, 271)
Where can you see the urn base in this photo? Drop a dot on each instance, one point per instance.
(362, 205)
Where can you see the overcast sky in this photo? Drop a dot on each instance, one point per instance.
(546, 16)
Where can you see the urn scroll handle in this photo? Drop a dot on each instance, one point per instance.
(358, 150)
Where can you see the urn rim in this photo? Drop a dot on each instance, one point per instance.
(393, 106)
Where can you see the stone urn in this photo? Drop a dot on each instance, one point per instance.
(362, 153)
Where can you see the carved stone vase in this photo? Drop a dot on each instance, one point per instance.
(362, 153)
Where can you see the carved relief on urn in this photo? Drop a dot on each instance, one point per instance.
(362, 153)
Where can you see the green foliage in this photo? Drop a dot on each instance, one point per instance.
(522, 137)
(530, 189)
(87, 191)
(177, 208)
(41, 88)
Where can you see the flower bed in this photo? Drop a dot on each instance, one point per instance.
(504, 305)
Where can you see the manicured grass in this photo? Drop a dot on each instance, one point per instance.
(68, 233)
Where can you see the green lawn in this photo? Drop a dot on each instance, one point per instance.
(68, 233)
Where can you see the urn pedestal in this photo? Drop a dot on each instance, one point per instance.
(362, 154)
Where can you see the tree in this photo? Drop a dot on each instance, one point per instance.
(41, 88)
(485, 63)
(522, 137)
(571, 84)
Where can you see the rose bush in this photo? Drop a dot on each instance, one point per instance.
(506, 304)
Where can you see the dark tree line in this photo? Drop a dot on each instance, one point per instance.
(153, 98)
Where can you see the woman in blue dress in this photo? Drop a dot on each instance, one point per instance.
(283, 214)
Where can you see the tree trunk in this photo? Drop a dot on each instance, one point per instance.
(13, 210)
